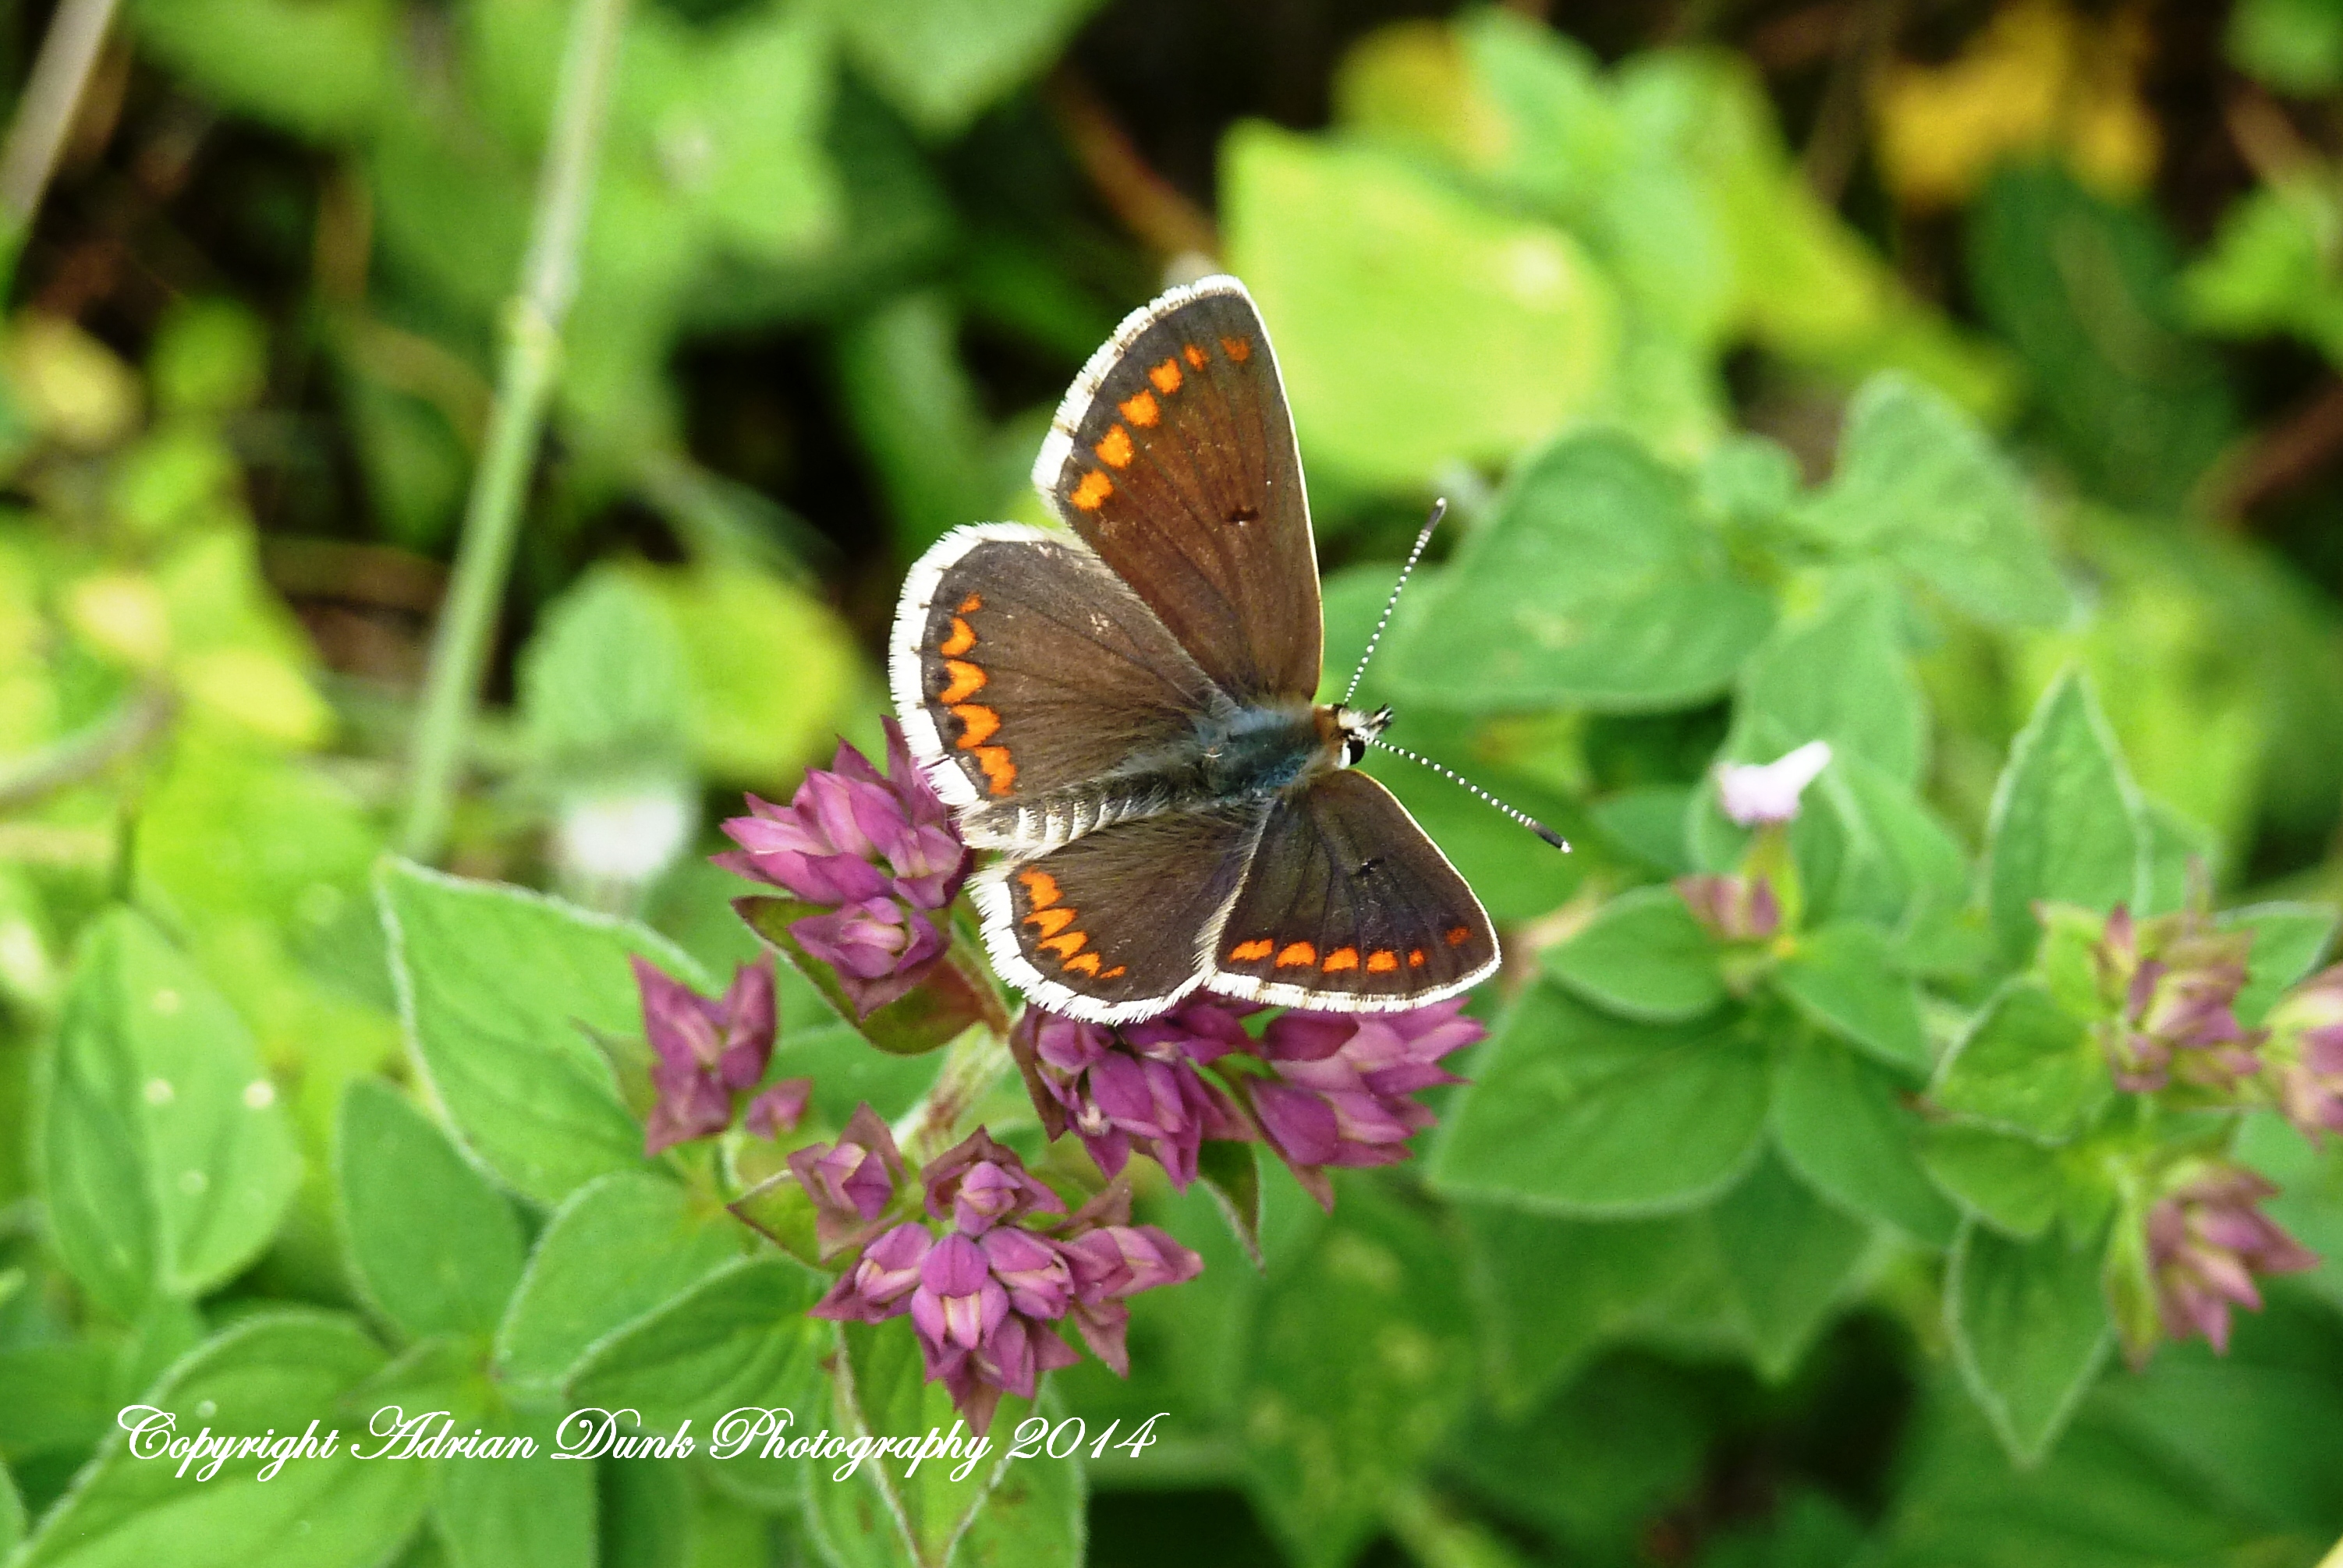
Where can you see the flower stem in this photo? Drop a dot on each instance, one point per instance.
(69, 51)
(973, 1064)
(525, 381)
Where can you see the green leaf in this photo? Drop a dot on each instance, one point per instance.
(1920, 484)
(533, 1513)
(2086, 291)
(166, 1159)
(1593, 584)
(1358, 1361)
(2295, 46)
(618, 1249)
(931, 1014)
(1842, 677)
(1841, 1123)
(2289, 941)
(737, 625)
(317, 68)
(2029, 1329)
(1231, 1173)
(1642, 957)
(2024, 1065)
(1897, 864)
(941, 62)
(916, 410)
(602, 682)
(2066, 822)
(1038, 1514)
(2013, 1184)
(889, 1511)
(282, 1370)
(435, 1247)
(12, 1514)
(649, 1521)
(739, 1336)
(1507, 329)
(499, 991)
(1574, 1112)
(1549, 1292)
(1844, 978)
(1789, 1255)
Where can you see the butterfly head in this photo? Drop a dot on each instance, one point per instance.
(1357, 729)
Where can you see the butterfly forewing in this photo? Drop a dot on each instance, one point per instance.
(1173, 458)
(1346, 903)
(1025, 671)
(1111, 927)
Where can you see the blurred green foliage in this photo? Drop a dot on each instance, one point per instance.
(1747, 1269)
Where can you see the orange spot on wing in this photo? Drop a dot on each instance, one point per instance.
(1092, 492)
(977, 724)
(960, 640)
(1110, 974)
(1194, 357)
(1295, 953)
(1458, 936)
(1087, 963)
(1041, 888)
(1065, 946)
(1246, 952)
(1237, 348)
(1142, 409)
(1114, 450)
(999, 773)
(967, 681)
(1382, 961)
(971, 605)
(1415, 957)
(1166, 377)
(1051, 921)
(1341, 958)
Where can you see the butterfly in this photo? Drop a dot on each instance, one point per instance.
(1125, 709)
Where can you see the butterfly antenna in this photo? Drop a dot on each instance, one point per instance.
(1524, 818)
(1439, 510)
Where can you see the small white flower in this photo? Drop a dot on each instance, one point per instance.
(1756, 796)
(623, 841)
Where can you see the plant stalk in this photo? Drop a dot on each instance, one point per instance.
(69, 53)
(525, 382)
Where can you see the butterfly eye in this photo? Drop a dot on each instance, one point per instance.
(1353, 748)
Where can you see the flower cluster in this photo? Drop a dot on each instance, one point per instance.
(2304, 1050)
(984, 1292)
(706, 1054)
(2207, 1240)
(2170, 987)
(879, 849)
(1746, 906)
(1322, 1090)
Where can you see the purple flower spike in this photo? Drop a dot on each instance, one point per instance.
(1112, 1259)
(959, 1302)
(1139, 1091)
(879, 948)
(2206, 1240)
(2172, 985)
(1732, 909)
(1341, 1094)
(883, 1281)
(779, 1109)
(852, 1181)
(978, 1183)
(703, 1051)
(851, 834)
(1038, 1283)
(2305, 1048)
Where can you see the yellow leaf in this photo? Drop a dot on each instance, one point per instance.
(2038, 80)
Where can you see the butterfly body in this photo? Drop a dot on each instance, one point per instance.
(1125, 710)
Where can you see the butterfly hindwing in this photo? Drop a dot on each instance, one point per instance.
(1025, 670)
(1115, 925)
(1173, 458)
(1347, 905)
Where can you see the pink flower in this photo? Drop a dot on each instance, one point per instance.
(879, 948)
(1342, 1093)
(2173, 983)
(2206, 1240)
(850, 834)
(851, 1181)
(1138, 1089)
(1758, 796)
(704, 1051)
(881, 1282)
(978, 1183)
(2305, 1050)
(1732, 909)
